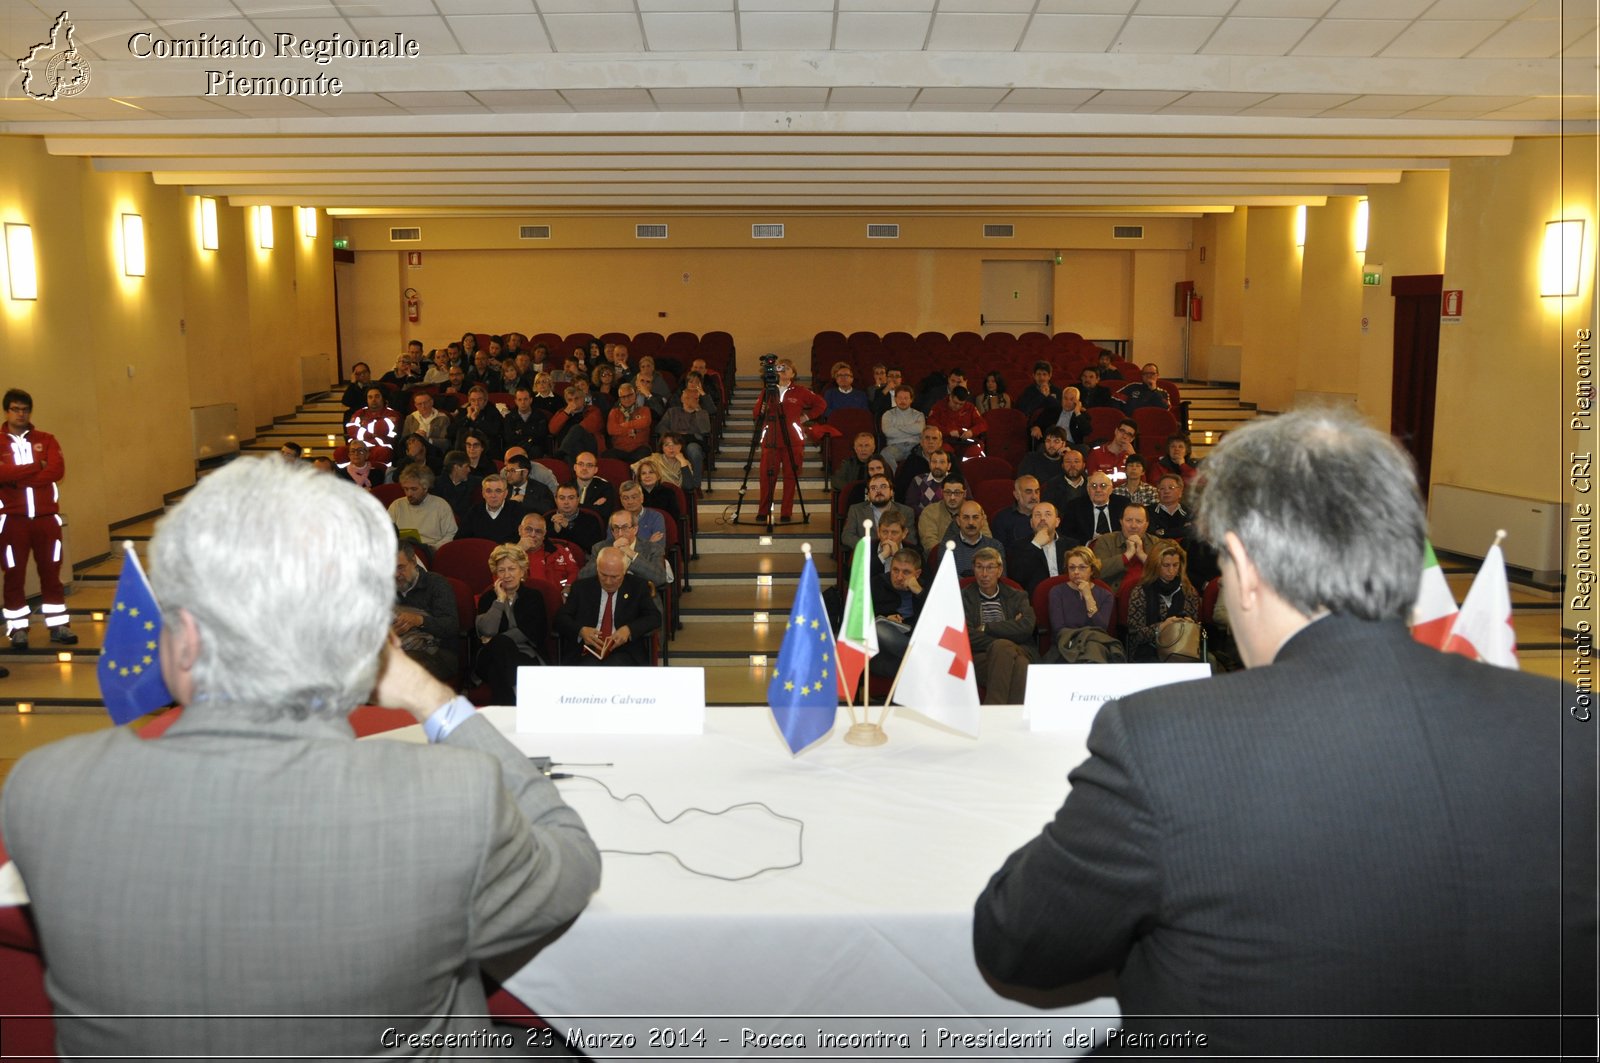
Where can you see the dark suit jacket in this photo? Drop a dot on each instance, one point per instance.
(634, 607)
(477, 524)
(1025, 562)
(1365, 826)
(1077, 517)
(600, 497)
(584, 531)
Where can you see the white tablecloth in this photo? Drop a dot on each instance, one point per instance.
(898, 842)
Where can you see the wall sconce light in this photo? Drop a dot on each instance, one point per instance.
(1362, 215)
(308, 222)
(1300, 226)
(264, 227)
(133, 245)
(19, 261)
(208, 223)
(1561, 259)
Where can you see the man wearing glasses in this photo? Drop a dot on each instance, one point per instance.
(31, 468)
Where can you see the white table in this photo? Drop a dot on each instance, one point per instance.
(899, 840)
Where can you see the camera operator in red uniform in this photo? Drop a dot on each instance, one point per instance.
(795, 406)
(31, 468)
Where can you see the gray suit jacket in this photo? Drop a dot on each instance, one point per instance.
(850, 531)
(239, 867)
(1364, 827)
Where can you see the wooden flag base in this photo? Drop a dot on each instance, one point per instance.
(866, 734)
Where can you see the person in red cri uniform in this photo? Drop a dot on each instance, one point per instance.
(796, 405)
(31, 467)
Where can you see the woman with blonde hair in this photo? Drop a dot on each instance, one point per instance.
(511, 625)
(1163, 597)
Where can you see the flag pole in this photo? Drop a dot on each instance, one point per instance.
(864, 733)
(805, 548)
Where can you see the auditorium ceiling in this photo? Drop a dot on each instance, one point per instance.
(580, 106)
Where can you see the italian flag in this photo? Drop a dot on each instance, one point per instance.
(858, 632)
(1435, 611)
(1482, 630)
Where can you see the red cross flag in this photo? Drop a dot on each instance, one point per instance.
(936, 676)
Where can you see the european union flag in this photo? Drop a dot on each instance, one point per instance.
(804, 691)
(130, 663)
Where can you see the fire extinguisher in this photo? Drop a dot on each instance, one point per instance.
(413, 306)
(1194, 307)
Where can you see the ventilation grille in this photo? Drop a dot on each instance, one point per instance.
(533, 232)
(1127, 232)
(400, 235)
(766, 231)
(650, 232)
(1006, 231)
(883, 232)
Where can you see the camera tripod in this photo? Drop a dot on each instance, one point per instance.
(769, 415)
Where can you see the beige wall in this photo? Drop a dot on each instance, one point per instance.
(1405, 235)
(771, 297)
(1270, 309)
(1506, 371)
(1330, 302)
(1219, 281)
(115, 362)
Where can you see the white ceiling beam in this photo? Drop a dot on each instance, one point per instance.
(206, 183)
(708, 192)
(173, 170)
(1397, 143)
(1191, 202)
(883, 69)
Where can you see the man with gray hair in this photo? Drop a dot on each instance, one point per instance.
(1390, 849)
(427, 517)
(296, 887)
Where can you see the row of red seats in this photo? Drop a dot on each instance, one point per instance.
(1012, 356)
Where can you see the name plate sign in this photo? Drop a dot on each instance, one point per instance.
(636, 701)
(1065, 697)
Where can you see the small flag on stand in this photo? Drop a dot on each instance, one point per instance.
(858, 632)
(804, 690)
(937, 677)
(1435, 609)
(1482, 629)
(130, 662)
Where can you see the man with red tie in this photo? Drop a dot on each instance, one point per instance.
(795, 406)
(609, 617)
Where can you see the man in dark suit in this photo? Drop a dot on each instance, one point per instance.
(495, 518)
(608, 617)
(1036, 559)
(1390, 847)
(594, 491)
(1096, 513)
(569, 522)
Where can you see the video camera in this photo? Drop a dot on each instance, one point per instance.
(769, 370)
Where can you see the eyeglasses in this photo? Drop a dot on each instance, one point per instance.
(19, 409)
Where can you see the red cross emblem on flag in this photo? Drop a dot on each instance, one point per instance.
(956, 642)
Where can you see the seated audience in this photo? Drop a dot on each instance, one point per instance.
(1124, 553)
(477, 415)
(1000, 624)
(358, 466)
(476, 446)
(426, 421)
(609, 616)
(1135, 488)
(456, 486)
(1177, 458)
(1091, 393)
(1068, 486)
(1097, 512)
(521, 487)
(690, 423)
(993, 396)
(1164, 595)
(677, 464)
(1068, 414)
(425, 619)
(652, 528)
(1043, 555)
(656, 490)
(495, 518)
(844, 395)
(527, 425)
(1146, 392)
(1168, 517)
(628, 426)
(926, 488)
(897, 600)
(576, 427)
(963, 426)
(375, 424)
(646, 560)
(548, 559)
(1014, 524)
(937, 523)
(569, 522)
(1041, 394)
(901, 426)
(930, 441)
(425, 516)
(511, 625)
(854, 467)
(1079, 602)
(414, 450)
(1109, 457)
(970, 537)
(880, 500)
